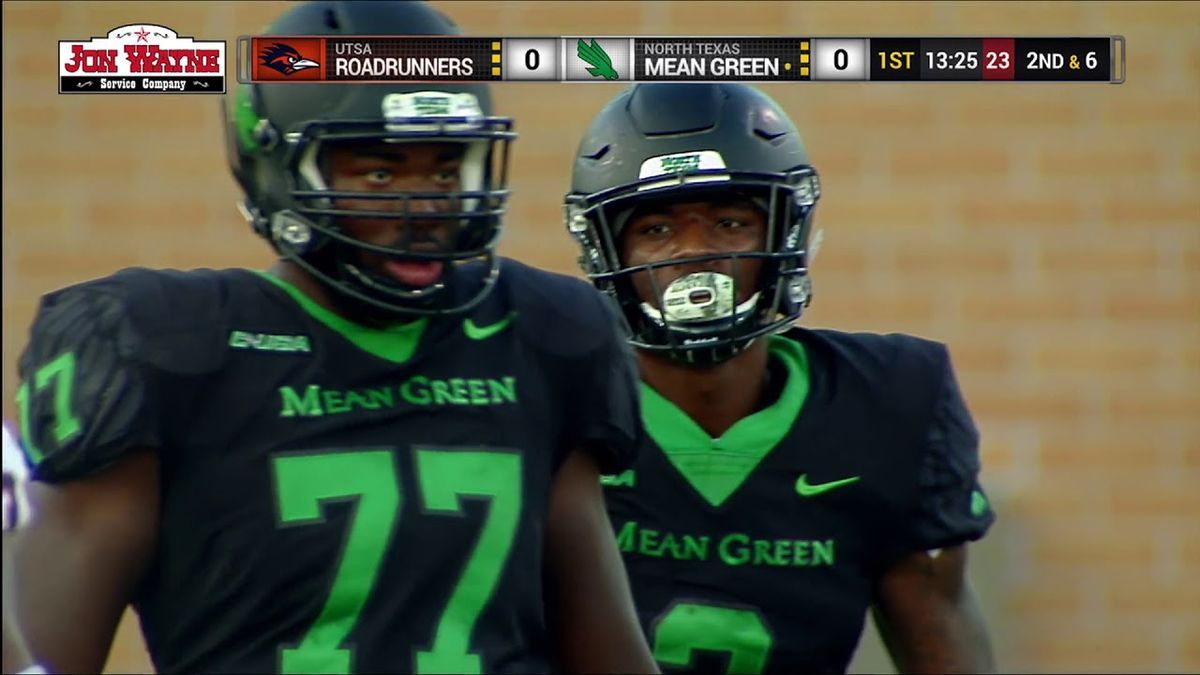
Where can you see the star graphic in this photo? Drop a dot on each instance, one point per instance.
(142, 34)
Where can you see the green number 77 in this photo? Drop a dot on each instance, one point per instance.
(304, 482)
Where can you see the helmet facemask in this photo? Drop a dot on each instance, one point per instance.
(307, 221)
(701, 316)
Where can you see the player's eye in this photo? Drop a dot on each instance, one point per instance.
(654, 228)
(378, 177)
(730, 224)
(446, 175)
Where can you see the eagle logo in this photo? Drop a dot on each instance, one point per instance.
(285, 59)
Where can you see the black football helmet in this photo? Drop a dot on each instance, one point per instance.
(686, 142)
(275, 134)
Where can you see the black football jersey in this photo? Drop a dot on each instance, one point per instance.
(335, 498)
(757, 552)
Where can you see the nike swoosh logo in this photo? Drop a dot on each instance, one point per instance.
(804, 489)
(484, 332)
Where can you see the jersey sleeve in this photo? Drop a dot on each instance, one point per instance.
(605, 418)
(952, 507)
(85, 397)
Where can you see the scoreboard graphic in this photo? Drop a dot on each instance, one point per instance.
(586, 58)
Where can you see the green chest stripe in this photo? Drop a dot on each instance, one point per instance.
(716, 467)
(395, 344)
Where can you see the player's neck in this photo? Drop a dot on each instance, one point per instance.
(715, 397)
(320, 294)
(305, 283)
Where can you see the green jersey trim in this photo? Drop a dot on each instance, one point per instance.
(716, 467)
(395, 343)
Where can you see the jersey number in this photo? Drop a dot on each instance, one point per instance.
(690, 626)
(304, 482)
(61, 373)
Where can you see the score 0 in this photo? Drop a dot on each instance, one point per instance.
(531, 59)
(839, 59)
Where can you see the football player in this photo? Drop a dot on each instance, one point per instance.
(365, 459)
(16, 514)
(792, 478)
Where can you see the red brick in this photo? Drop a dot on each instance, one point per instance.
(1191, 455)
(1006, 211)
(1191, 264)
(32, 213)
(53, 164)
(1075, 500)
(997, 456)
(875, 116)
(837, 167)
(64, 266)
(1140, 305)
(245, 250)
(987, 15)
(1095, 354)
(953, 161)
(1158, 14)
(1069, 546)
(846, 307)
(1190, 657)
(1133, 211)
(904, 211)
(1102, 161)
(1144, 595)
(252, 18)
(1161, 111)
(1017, 113)
(1154, 404)
(474, 18)
(839, 260)
(568, 18)
(1063, 648)
(151, 219)
(1190, 548)
(129, 653)
(982, 356)
(32, 117)
(1149, 64)
(1160, 500)
(1110, 256)
(1192, 162)
(1007, 305)
(149, 114)
(1007, 405)
(951, 260)
(1193, 62)
(186, 18)
(838, 18)
(30, 67)
(1062, 597)
(1098, 458)
(25, 16)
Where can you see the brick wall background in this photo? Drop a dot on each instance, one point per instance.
(1050, 233)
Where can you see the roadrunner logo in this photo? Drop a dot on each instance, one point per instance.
(285, 59)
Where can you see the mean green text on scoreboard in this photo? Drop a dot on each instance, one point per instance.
(704, 59)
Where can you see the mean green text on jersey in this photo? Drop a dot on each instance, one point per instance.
(419, 390)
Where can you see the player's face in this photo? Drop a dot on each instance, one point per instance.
(673, 231)
(398, 167)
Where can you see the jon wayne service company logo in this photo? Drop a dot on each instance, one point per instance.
(141, 59)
